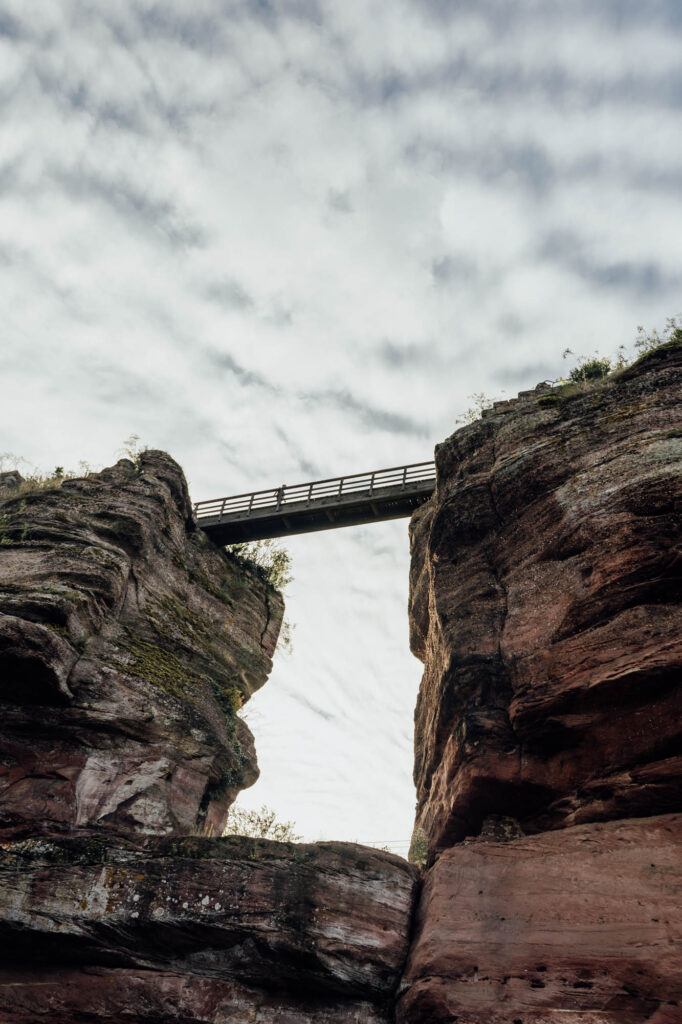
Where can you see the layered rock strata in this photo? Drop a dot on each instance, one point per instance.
(127, 643)
(200, 930)
(582, 924)
(545, 604)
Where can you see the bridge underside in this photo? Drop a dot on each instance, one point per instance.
(320, 514)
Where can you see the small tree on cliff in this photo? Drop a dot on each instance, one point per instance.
(266, 559)
(262, 824)
(419, 847)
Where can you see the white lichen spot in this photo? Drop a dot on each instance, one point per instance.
(135, 913)
(185, 905)
(136, 897)
(217, 906)
(205, 902)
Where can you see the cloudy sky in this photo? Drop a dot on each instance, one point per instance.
(284, 239)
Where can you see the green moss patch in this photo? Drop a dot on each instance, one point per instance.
(160, 667)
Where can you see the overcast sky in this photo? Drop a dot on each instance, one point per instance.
(284, 239)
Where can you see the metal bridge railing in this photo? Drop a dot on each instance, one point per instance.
(397, 478)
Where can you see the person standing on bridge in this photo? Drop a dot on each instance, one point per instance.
(279, 495)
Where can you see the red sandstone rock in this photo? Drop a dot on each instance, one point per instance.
(582, 925)
(215, 930)
(126, 641)
(545, 603)
(161, 997)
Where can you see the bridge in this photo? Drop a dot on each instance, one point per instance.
(319, 505)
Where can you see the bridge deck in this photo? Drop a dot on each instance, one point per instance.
(320, 505)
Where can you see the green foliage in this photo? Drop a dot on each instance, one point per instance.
(597, 367)
(590, 369)
(34, 479)
(229, 699)
(262, 824)
(672, 335)
(265, 559)
(160, 667)
(419, 847)
(653, 341)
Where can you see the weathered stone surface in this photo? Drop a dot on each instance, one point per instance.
(201, 929)
(545, 603)
(127, 641)
(9, 479)
(161, 997)
(581, 925)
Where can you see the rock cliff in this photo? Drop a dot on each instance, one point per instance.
(546, 605)
(127, 643)
(581, 925)
(210, 930)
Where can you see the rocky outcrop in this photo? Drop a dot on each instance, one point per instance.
(545, 604)
(161, 997)
(127, 643)
(583, 924)
(201, 930)
(10, 479)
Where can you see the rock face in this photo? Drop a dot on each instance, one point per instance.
(546, 605)
(127, 643)
(201, 930)
(583, 924)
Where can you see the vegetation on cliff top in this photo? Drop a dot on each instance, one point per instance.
(262, 824)
(590, 369)
(34, 479)
(267, 560)
(597, 366)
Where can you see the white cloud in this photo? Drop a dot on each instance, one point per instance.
(289, 240)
